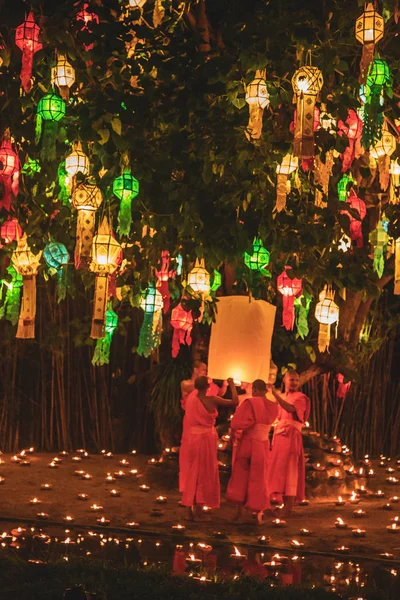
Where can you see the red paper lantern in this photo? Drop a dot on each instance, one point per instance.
(10, 230)
(163, 277)
(86, 16)
(353, 129)
(27, 39)
(356, 224)
(182, 322)
(290, 289)
(9, 173)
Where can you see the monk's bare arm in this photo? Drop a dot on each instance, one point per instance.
(235, 398)
(186, 387)
(285, 405)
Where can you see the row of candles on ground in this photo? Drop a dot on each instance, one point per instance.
(22, 458)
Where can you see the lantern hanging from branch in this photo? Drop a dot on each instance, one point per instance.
(10, 230)
(27, 265)
(199, 278)
(369, 31)
(63, 76)
(106, 258)
(352, 128)
(394, 181)
(85, 17)
(56, 256)
(378, 80)
(76, 162)
(289, 165)
(258, 260)
(257, 98)
(216, 281)
(27, 39)
(86, 199)
(125, 188)
(150, 332)
(379, 240)
(307, 83)
(9, 308)
(382, 151)
(359, 207)
(51, 109)
(343, 187)
(326, 313)
(290, 288)
(9, 172)
(182, 322)
(101, 354)
(163, 277)
(302, 308)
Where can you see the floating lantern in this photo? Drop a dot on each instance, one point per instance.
(379, 240)
(290, 288)
(56, 256)
(257, 98)
(125, 188)
(288, 165)
(50, 110)
(307, 83)
(27, 39)
(27, 265)
(326, 313)
(150, 331)
(369, 31)
(382, 151)
(63, 76)
(9, 173)
(163, 277)
(182, 322)
(352, 128)
(106, 257)
(101, 354)
(199, 278)
(258, 260)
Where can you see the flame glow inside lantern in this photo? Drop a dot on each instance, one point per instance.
(386, 145)
(199, 278)
(10, 230)
(87, 197)
(51, 108)
(63, 74)
(288, 165)
(77, 162)
(258, 260)
(378, 73)
(152, 301)
(27, 39)
(106, 252)
(9, 162)
(257, 93)
(326, 313)
(307, 80)
(307, 83)
(289, 288)
(369, 26)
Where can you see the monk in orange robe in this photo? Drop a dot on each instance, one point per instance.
(198, 456)
(248, 485)
(287, 467)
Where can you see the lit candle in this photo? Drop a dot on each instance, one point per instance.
(2, 480)
(144, 488)
(18, 532)
(379, 494)
(132, 524)
(124, 462)
(79, 473)
(161, 499)
(237, 556)
(395, 520)
(340, 501)
(83, 496)
(264, 539)
(273, 564)
(96, 507)
(358, 532)
(107, 454)
(178, 527)
(370, 473)
(362, 491)
(387, 506)
(359, 513)
(63, 453)
(386, 555)
(342, 549)
(318, 467)
(354, 499)
(192, 561)
(305, 532)
(119, 474)
(115, 493)
(24, 463)
(42, 516)
(390, 470)
(133, 451)
(103, 521)
(278, 523)
(109, 478)
(296, 544)
(393, 528)
(340, 524)
(133, 472)
(76, 458)
(86, 476)
(34, 501)
(46, 487)
(204, 547)
(392, 480)
(394, 499)
(15, 458)
(68, 519)
(53, 465)
(304, 502)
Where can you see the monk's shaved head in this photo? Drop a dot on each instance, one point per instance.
(201, 384)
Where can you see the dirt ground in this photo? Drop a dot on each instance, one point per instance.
(23, 483)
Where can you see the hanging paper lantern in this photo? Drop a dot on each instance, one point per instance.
(290, 289)
(11, 230)
(182, 322)
(125, 188)
(101, 354)
(307, 83)
(394, 181)
(9, 308)
(51, 109)
(289, 165)
(199, 278)
(257, 98)
(63, 76)
(352, 128)
(343, 186)
(106, 257)
(326, 313)
(9, 172)
(56, 256)
(27, 265)
(258, 260)
(216, 281)
(369, 30)
(379, 78)
(356, 223)
(379, 240)
(27, 39)
(86, 199)
(163, 277)
(76, 162)
(382, 151)
(85, 17)
(150, 332)
(302, 308)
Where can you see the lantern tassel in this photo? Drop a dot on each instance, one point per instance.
(283, 184)
(163, 287)
(101, 355)
(38, 128)
(379, 262)
(26, 70)
(125, 216)
(84, 238)
(288, 312)
(49, 139)
(26, 322)
(373, 118)
(64, 195)
(99, 307)
(367, 57)
(384, 171)
(150, 333)
(62, 283)
(324, 337)
(255, 124)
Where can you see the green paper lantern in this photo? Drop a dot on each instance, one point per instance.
(101, 354)
(51, 109)
(125, 188)
(258, 260)
(378, 80)
(343, 192)
(56, 256)
(217, 281)
(378, 74)
(9, 309)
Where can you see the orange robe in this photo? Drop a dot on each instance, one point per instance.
(198, 455)
(248, 484)
(287, 467)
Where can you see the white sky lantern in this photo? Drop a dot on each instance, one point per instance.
(26, 264)
(77, 161)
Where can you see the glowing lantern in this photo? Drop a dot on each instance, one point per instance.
(322, 175)
(125, 188)
(101, 354)
(150, 332)
(163, 277)
(302, 308)
(356, 223)
(63, 76)
(9, 172)
(382, 151)
(27, 265)
(369, 30)
(343, 186)
(182, 322)
(106, 257)
(326, 313)
(378, 80)
(327, 121)
(288, 165)
(394, 181)
(56, 256)
(76, 162)
(397, 268)
(352, 128)
(216, 281)
(290, 288)
(9, 310)
(51, 109)
(27, 39)
(258, 260)
(307, 83)
(10, 230)
(87, 17)
(379, 239)
(199, 278)
(257, 98)
(137, 3)
(86, 199)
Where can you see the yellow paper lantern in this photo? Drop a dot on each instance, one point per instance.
(326, 313)
(199, 278)
(307, 83)
(63, 76)
(288, 165)
(257, 98)
(27, 265)
(86, 199)
(137, 3)
(369, 30)
(382, 151)
(77, 162)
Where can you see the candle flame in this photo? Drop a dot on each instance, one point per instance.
(237, 551)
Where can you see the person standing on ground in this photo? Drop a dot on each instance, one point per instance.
(248, 485)
(198, 456)
(287, 467)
